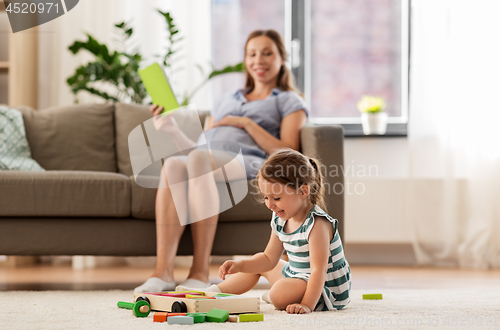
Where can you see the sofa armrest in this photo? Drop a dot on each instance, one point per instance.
(327, 144)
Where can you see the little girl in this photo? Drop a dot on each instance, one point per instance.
(317, 276)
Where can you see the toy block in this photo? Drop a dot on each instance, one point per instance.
(160, 317)
(232, 318)
(197, 296)
(217, 315)
(200, 297)
(176, 295)
(180, 320)
(189, 292)
(251, 317)
(372, 296)
(176, 314)
(220, 295)
(198, 317)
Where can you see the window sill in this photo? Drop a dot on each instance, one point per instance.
(393, 130)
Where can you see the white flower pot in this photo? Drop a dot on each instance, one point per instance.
(374, 123)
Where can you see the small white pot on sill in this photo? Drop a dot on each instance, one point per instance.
(374, 123)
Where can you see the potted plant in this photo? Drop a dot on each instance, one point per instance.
(373, 117)
(113, 75)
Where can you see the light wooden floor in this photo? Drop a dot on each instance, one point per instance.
(63, 277)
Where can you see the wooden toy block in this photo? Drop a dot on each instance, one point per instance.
(180, 320)
(160, 317)
(176, 314)
(198, 317)
(218, 295)
(251, 317)
(190, 292)
(233, 304)
(179, 295)
(232, 318)
(217, 315)
(199, 297)
(372, 296)
(140, 308)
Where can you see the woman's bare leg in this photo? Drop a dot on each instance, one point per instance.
(203, 200)
(168, 224)
(204, 203)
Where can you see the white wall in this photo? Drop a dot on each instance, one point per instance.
(377, 206)
(376, 177)
(97, 17)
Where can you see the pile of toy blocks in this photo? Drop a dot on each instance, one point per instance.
(178, 310)
(215, 315)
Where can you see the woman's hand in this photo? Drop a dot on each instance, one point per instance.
(229, 267)
(166, 124)
(297, 309)
(236, 121)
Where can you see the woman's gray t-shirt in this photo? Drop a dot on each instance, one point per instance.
(268, 113)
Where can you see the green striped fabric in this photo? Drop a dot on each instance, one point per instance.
(14, 150)
(335, 294)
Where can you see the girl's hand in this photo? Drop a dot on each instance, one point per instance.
(297, 309)
(166, 124)
(236, 121)
(229, 267)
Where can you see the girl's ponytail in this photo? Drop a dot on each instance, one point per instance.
(316, 188)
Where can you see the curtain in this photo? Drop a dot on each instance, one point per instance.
(97, 17)
(454, 186)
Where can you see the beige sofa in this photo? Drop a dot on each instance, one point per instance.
(87, 202)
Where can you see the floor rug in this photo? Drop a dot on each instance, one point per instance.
(399, 309)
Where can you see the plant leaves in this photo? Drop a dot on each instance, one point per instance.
(240, 67)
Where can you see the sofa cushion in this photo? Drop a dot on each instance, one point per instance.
(64, 193)
(128, 117)
(143, 205)
(77, 137)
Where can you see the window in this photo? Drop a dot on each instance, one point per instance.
(339, 50)
(232, 22)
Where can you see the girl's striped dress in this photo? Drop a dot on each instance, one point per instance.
(335, 294)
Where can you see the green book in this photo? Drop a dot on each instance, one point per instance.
(158, 88)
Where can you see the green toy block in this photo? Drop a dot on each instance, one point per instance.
(217, 315)
(198, 317)
(372, 296)
(223, 295)
(180, 320)
(251, 317)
